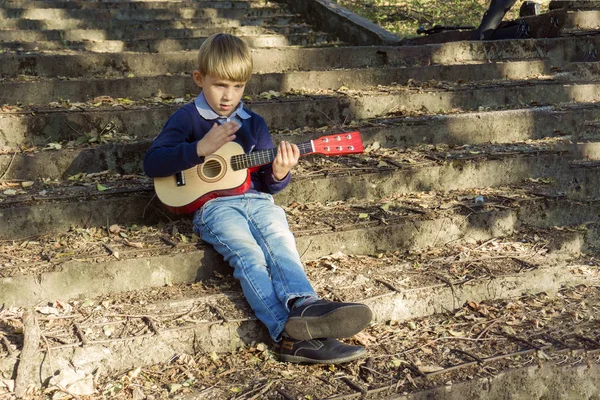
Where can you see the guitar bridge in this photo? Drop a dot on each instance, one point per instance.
(180, 179)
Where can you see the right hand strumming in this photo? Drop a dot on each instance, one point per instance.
(216, 138)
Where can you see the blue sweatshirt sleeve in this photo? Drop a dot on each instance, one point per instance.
(174, 149)
(268, 182)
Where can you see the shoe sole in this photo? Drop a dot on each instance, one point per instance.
(340, 323)
(304, 360)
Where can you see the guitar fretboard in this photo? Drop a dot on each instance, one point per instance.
(262, 157)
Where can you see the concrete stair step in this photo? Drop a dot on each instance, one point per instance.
(73, 126)
(430, 357)
(76, 63)
(547, 25)
(141, 14)
(536, 74)
(170, 44)
(471, 284)
(425, 167)
(50, 206)
(68, 120)
(136, 5)
(102, 29)
(574, 4)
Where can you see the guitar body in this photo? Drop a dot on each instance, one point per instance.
(227, 171)
(187, 191)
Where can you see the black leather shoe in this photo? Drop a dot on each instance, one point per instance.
(327, 319)
(318, 351)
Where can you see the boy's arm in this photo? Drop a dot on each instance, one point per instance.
(174, 149)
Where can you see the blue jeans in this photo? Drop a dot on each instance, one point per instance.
(253, 236)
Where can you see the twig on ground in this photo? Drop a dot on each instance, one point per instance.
(31, 343)
(9, 165)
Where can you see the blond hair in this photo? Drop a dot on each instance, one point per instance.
(225, 56)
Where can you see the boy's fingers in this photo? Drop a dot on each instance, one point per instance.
(284, 146)
(296, 151)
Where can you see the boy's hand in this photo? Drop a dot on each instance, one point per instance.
(286, 158)
(216, 138)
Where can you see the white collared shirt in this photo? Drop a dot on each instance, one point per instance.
(209, 114)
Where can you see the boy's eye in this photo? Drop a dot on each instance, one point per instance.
(239, 86)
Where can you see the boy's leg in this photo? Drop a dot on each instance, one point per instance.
(253, 236)
(311, 320)
(271, 231)
(224, 224)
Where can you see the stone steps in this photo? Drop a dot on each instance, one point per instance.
(149, 15)
(412, 222)
(141, 120)
(268, 40)
(134, 5)
(476, 193)
(38, 90)
(574, 4)
(78, 126)
(112, 150)
(153, 326)
(60, 181)
(72, 63)
(74, 29)
(133, 27)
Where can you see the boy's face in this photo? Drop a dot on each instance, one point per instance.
(222, 95)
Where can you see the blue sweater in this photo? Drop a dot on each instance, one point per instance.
(174, 149)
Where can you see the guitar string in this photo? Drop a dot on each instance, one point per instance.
(242, 161)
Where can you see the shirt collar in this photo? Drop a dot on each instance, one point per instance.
(208, 113)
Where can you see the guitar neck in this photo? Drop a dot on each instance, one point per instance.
(262, 157)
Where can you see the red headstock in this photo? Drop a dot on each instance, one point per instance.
(341, 143)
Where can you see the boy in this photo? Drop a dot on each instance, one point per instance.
(249, 230)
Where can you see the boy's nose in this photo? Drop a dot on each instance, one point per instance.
(227, 94)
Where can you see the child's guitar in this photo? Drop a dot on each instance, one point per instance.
(226, 172)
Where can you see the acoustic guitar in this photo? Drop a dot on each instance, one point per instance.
(227, 171)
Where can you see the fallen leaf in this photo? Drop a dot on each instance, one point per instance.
(261, 347)
(138, 393)
(186, 359)
(47, 310)
(137, 245)
(76, 382)
(101, 188)
(8, 384)
(108, 330)
(508, 330)
(134, 373)
(365, 338)
(372, 147)
(53, 146)
(103, 99)
(430, 368)
(396, 362)
(27, 184)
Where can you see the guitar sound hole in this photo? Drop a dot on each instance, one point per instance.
(211, 169)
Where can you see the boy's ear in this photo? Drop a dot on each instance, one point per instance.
(198, 78)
